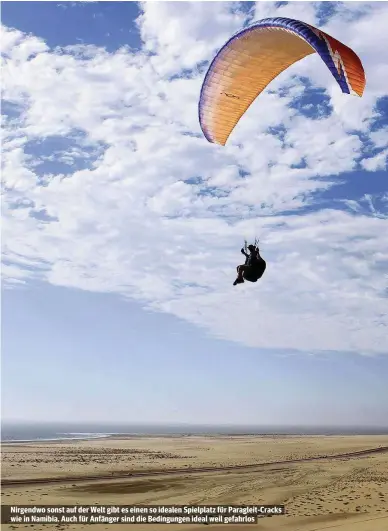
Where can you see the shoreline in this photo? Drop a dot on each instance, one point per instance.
(213, 435)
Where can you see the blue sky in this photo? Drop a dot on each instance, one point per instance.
(61, 23)
(93, 357)
(118, 260)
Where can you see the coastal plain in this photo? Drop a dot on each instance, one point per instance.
(337, 483)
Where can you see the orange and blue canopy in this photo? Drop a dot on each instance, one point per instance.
(254, 56)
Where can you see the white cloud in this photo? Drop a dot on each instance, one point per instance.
(159, 214)
(182, 34)
(380, 137)
(378, 162)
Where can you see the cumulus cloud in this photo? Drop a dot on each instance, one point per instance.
(108, 184)
(378, 162)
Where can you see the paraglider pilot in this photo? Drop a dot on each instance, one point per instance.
(254, 266)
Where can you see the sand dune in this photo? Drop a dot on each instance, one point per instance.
(338, 483)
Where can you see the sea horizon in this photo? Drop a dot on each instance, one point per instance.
(28, 431)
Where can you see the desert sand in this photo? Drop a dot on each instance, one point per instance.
(326, 482)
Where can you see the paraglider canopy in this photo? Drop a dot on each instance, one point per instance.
(254, 56)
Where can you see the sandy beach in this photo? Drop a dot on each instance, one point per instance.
(325, 482)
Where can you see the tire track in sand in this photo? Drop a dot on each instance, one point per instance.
(201, 470)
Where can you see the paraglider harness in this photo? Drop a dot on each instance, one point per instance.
(254, 265)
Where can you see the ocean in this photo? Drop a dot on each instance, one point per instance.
(49, 431)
